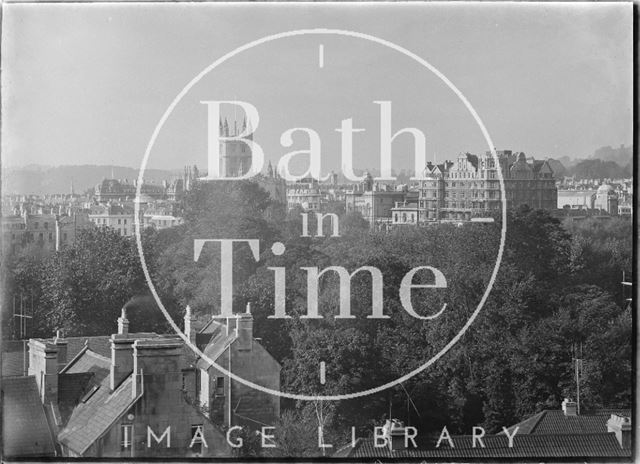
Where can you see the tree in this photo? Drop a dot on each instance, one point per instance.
(85, 286)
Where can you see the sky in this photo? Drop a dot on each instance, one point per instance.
(89, 83)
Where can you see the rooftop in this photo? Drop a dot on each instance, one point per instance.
(25, 429)
(555, 422)
(596, 445)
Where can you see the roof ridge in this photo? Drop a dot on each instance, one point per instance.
(97, 355)
(74, 359)
(540, 415)
(353, 445)
(573, 434)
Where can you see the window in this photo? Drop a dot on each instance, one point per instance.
(126, 434)
(46, 225)
(50, 237)
(125, 231)
(89, 394)
(219, 386)
(35, 225)
(125, 222)
(64, 237)
(119, 221)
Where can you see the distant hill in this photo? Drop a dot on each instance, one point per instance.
(599, 169)
(622, 155)
(559, 171)
(41, 180)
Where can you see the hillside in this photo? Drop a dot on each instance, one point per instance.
(41, 180)
(622, 155)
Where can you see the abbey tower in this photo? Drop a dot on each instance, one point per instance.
(235, 154)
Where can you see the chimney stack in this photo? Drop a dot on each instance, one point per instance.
(231, 324)
(121, 352)
(569, 407)
(61, 344)
(394, 431)
(621, 426)
(159, 358)
(245, 329)
(43, 364)
(189, 325)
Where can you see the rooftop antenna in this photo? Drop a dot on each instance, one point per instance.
(577, 361)
(410, 400)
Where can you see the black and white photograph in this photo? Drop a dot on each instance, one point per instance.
(318, 231)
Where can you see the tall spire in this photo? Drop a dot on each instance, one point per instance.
(220, 126)
(226, 127)
(244, 123)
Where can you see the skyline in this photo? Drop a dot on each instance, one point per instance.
(515, 57)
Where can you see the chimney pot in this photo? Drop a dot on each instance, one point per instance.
(569, 407)
(123, 323)
(61, 345)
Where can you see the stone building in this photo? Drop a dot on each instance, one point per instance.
(122, 190)
(233, 347)
(470, 186)
(236, 159)
(117, 217)
(582, 199)
(307, 195)
(373, 201)
(606, 199)
(47, 231)
(136, 394)
(235, 154)
(404, 213)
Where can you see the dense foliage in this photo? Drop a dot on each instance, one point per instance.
(595, 168)
(558, 287)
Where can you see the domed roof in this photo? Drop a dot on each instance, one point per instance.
(605, 188)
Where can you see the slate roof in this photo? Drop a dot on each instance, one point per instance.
(15, 358)
(90, 419)
(219, 342)
(537, 165)
(473, 159)
(555, 422)
(15, 363)
(71, 388)
(24, 424)
(208, 331)
(599, 445)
